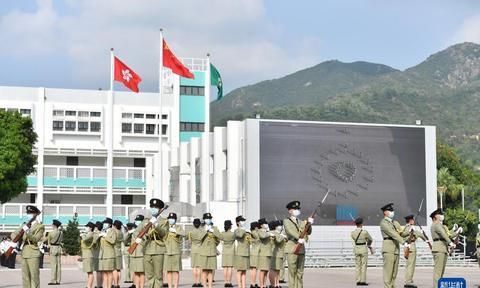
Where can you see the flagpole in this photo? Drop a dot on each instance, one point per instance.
(109, 129)
(206, 149)
(160, 122)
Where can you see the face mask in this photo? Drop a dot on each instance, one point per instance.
(242, 223)
(265, 226)
(391, 214)
(105, 226)
(171, 221)
(441, 217)
(296, 212)
(138, 222)
(279, 228)
(208, 221)
(89, 229)
(154, 211)
(29, 216)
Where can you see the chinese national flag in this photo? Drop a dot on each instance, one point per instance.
(172, 62)
(122, 73)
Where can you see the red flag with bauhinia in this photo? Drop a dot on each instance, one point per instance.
(122, 73)
(172, 62)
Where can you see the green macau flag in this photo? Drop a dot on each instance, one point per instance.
(216, 80)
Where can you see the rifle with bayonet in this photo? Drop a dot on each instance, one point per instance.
(411, 236)
(19, 237)
(144, 231)
(308, 226)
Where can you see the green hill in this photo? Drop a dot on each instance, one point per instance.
(443, 90)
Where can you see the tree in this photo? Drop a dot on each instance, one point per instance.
(450, 185)
(71, 237)
(466, 219)
(16, 158)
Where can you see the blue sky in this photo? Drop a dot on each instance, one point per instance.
(66, 43)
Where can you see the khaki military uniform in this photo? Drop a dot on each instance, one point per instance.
(54, 240)
(412, 257)
(278, 251)
(477, 245)
(96, 249)
(254, 248)
(441, 237)
(31, 254)
(107, 251)
(155, 251)
(228, 248)
(293, 228)
(361, 241)
(195, 237)
(265, 251)
(242, 251)
(86, 245)
(173, 253)
(390, 250)
(137, 263)
(127, 240)
(208, 249)
(118, 250)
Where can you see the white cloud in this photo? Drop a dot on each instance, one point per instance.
(469, 30)
(244, 45)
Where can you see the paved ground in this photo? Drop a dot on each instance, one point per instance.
(321, 277)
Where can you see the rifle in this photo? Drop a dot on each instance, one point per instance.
(411, 236)
(308, 226)
(455, 241)
(372, 250)
(19, 236)
(424, 234)
(144, 231)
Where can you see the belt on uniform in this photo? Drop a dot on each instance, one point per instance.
(360, 244)
(54, 244)
(437, 239)
(388, 238)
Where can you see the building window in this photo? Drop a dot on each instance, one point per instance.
(164, 129)
(82, 126)
(95, 114)
(127, 115)
(83, 113)
(150, 128)
(72, 161)
(192, 127)
(164, 116)
(25, 111)
(126, 128)
(58, 125)
(70, 113)
(139, 162)
(58, 112)
(95, 126)
(137, 115)
(70, 125)
(12, 109)
(138, 128)
(192, 90)
(151, 116)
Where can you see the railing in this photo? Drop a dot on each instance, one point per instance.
(195, 64)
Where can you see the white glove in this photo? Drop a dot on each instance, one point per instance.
(248, 231)
(455, 227)
(102, 234)
(310, 220)
(210, 229)
(406, 245)
(301, 241)
(131, 231)
(13, 245)
(459, 230)
(271, 234)
(153, 220)
(138, 240)
(452, 245)
(172, 229)
(25, 228)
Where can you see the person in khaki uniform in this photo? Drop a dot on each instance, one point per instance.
(391, 245)
(208, 250)
(477, 245)
(242, 251)
(228, 252)
(265, 251)
(362, 241)
(127, 240)
(106, 264)
(254, 249)
(154, 244)
(33, 234)
(173, 254)
(137, 264)
(54, 240)
(195, 238)
(442, 242)
(87, 242)
(293, 228)
(96, 252)
(117, 227)
(411, 235)
(278, 252)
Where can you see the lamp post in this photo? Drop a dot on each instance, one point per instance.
(441, 190)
